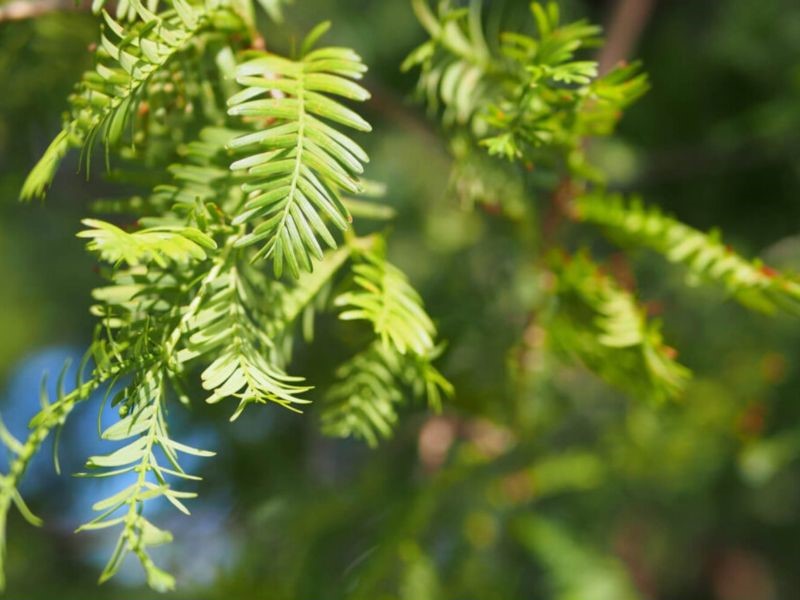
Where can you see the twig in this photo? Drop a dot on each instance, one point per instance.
(626, 26)
(628, 21)
(20, 10)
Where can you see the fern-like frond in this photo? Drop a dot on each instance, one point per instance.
(185, 294)
(302, 163)
(520, 93)
(107, 96)
(363, 402)
(558, 99)
(599, 324)
(243, 371)
(704, 254)
(158, 244)
(383, 296)
(229, 324)
(143, 429)
(369, 388)
(456, 64)
(146, 314)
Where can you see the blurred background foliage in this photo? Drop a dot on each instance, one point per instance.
(537, 481)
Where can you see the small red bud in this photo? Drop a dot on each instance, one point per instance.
(491, 209)
(769, 271)
(258, 43)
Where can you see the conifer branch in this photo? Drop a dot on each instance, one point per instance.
(599, 324)
(52, 416)
(370, 387)
(126, 60)
(296, 179)
(752, 283)
(362, 403)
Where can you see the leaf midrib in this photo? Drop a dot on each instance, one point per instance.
(298, 161)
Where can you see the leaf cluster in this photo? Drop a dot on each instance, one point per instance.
(188, 302)
(529, 97)
(533, 96)
(705, 256)
(598, 323)
(108, 97)
(362, 402)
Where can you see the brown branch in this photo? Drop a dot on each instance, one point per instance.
(19, 10)
(628, 21)
(626, 26)
(559, 207)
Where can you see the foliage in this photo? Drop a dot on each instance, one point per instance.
(523, 97)
(533, 100)
(600, 324)
(361, 403)
(186, 289)
(127, 60)
(244, 260)
(305, 161)
(705, 255)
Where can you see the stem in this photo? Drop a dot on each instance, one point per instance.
(171, 344)
(298, 164)
(45, 421)
(56, 413)
(22, 9)
(129, 532)
(627, 24)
